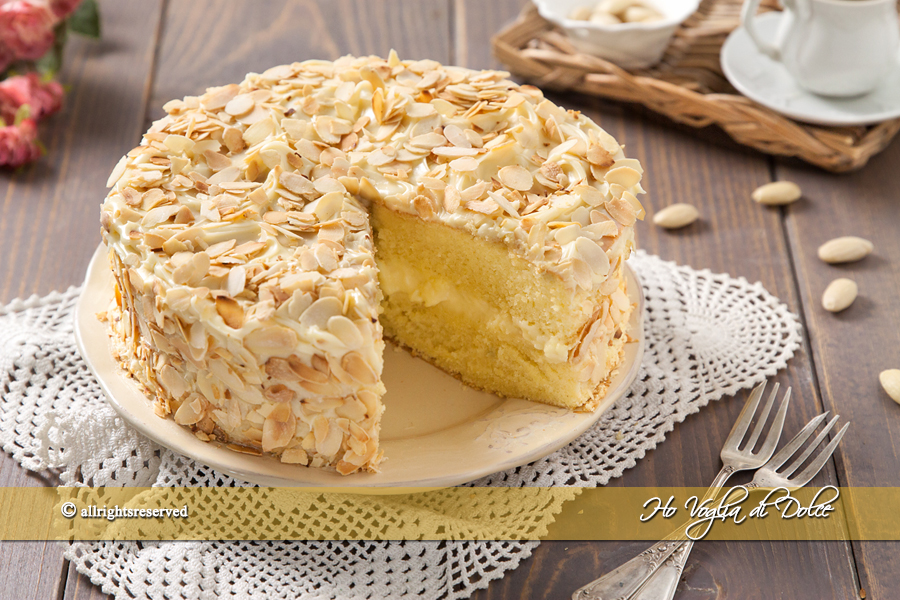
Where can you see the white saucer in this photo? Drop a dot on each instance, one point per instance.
(767, 82)
(436, 432)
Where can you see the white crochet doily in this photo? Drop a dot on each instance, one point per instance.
(706, 336)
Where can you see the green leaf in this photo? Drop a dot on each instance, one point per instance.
(86, 19)
(50, 63)
(22, 113)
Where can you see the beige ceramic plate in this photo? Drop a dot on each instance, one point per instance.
(436, 431)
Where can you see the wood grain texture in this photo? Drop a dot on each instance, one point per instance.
(48, 232)
(198, 50)
(852, 347)
(735, 236)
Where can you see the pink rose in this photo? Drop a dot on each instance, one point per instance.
(63, 8)
(6, 57)
(18, 144)
(42, 98)
(26, 29)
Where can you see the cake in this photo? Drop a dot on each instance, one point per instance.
(266, 238)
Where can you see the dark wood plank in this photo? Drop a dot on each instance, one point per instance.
(48, 228)
(734, 236)
(851, 348)
(50, 209)
(225, 39)
(79, 587)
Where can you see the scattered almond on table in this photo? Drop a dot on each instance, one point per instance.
(676, 215)
(777, 193)
(839, 294)
(890, 381)
(616, 12)
(845, 249)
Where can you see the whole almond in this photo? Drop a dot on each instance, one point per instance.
(777, 193)
(845, 249)
(676, 215)
(890, 381)
(839, 294)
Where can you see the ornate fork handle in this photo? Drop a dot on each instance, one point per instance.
(623, 582)
(663, 582)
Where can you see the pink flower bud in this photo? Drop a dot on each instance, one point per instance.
(63, 8)
(18, 144)
(26, 29)
(42, 98)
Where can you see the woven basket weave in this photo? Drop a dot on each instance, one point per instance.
(687, 86)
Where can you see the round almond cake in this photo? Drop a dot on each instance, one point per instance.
(266, 237)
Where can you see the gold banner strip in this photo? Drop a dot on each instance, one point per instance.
(608, 513)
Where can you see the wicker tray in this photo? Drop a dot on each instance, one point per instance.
(687, 86)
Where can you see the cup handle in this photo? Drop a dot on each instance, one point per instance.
(748, 15)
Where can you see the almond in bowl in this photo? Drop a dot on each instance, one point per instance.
(633, 34)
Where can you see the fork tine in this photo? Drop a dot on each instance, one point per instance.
(771, 441)
(743, 420)
(817, 464)
(757, 430)
(791, 447)
(809, 449)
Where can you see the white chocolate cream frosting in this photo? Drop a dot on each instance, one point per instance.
(238, 228)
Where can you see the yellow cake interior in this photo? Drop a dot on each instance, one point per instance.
(472, 308)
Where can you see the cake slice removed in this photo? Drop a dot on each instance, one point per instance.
(263, 234)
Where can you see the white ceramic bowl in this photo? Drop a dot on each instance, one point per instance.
(629, 45)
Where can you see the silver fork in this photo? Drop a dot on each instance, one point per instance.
(662, 584)
(624, 581)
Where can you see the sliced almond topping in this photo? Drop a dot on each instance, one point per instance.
(356, 366)
(216, 161)
(230, 311)
(297, 183)
(600, 156)
(452, 198)
(516, 177)
(240, 105)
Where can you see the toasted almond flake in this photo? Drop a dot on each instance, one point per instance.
(216, 161)
(233, 138)
(240, 105)
(452, 198)
(117, 171)
(516, 177)
(297, 183)
(456, 136)
(454, 151)
(354, 364)
(624, 176)
(593, 255)
(599, 156)
(464, 164)
(271, 339)
(428, 140)
(275, 217)
(505, 204)
(230, 311)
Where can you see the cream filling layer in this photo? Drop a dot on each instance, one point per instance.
(431, 290)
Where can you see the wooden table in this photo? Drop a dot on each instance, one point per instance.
(155, 50)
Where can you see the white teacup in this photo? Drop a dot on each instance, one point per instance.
(833, 47)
